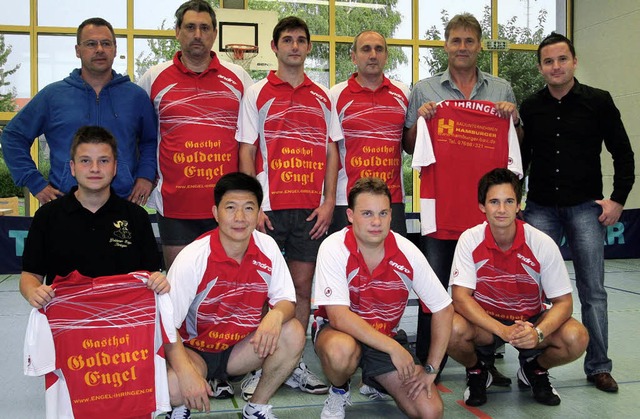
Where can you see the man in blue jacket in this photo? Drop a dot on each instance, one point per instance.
(91, 95)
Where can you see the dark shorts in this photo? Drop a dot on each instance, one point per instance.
(179, 232)
(291, 232)
(398, 219)
(523, 354)
(216, 364)
(372, 361)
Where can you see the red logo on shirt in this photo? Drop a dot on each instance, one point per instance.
(328, 292)
(455, 273)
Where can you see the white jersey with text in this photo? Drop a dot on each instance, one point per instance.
(198, 119)
(291, 129)
(454, 149)
(372, 123)
(99, 343)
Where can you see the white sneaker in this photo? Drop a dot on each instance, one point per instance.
(179, 412)
(221, 389)
(373, 394)
(258, 411)
(249, 384)
(336, 402)
(305, 380)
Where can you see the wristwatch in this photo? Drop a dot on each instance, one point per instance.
(430, 370)
(540, 334)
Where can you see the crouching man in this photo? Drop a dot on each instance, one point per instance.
(364, 275)
(220, 283)
(503, 271)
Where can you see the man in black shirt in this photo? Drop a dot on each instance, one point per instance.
(565, 124)
(91, 229)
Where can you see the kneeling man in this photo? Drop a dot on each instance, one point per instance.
(219, 284)
(364, 275)
(503, 271)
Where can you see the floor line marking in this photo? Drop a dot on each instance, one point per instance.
(474, 410)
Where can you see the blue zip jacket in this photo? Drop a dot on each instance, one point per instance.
(58, 110)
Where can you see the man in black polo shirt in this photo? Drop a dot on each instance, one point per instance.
(565, 124)
(91, 229)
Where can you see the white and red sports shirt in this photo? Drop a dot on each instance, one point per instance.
(292, 127)
(100, 343)
(217, 301)
(198, 118)
(372, 123)
(510, 285)
(454, 149)
(378, 297)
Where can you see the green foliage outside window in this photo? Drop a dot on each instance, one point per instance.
(7, 100)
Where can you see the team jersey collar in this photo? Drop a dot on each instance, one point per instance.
(356, 87)
(218, 254)
(390, 248)
(277, 81)
(214, 64)
(518, 241)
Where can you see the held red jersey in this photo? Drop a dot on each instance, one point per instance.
(292, 127)
(454, 149)
(512, 284)
(100, 343)
(218, 301)
(372, 123)
(379, 297)
(198, 118)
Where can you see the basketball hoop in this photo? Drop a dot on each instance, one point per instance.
(241, 54)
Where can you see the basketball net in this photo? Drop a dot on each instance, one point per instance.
(241, 54)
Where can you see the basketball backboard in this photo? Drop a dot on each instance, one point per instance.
(251, 27)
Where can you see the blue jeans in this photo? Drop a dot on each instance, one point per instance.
(439, 254)
(585, 236)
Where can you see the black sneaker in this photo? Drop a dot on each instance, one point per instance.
(538, 380)
(478, 380)
(499, 379)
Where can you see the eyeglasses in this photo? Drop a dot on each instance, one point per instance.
(93, 44)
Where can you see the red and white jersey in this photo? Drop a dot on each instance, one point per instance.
(378, 297)
(100, 343)
(510, 285)
(198, 118)
(372, 123)
(292, 127)
(454, 149)
(217, 302)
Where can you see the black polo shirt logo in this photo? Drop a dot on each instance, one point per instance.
(122, 235)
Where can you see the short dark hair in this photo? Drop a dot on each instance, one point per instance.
(196, 6)
(288, 23)
(555, 38)
(463, 20)
(237, 181)
(372, 185)
(498, 176)
(91, 134)
(95, 21)
(354, 46)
